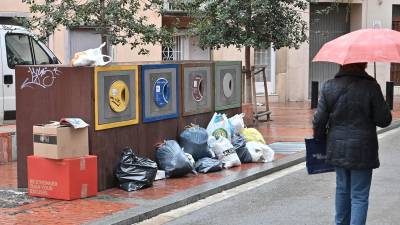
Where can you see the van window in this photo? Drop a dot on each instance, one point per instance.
(18, 50)
(41, 56)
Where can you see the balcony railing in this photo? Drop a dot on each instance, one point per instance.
(169, 7)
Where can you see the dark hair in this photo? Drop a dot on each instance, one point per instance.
(353, 67)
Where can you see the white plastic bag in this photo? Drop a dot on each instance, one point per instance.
(190, 157)
(219, 126)
(225, 152)
(91, 57)
(160, 175)
(237, 122)
(260, 152)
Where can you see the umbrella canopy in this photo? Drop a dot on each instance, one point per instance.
(366, 45)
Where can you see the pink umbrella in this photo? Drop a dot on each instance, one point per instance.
(366, 45)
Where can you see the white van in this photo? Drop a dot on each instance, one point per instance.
(18, 46)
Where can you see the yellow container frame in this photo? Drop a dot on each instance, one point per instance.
(96, 100)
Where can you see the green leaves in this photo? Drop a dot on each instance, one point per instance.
(118, 21)
(247, 23)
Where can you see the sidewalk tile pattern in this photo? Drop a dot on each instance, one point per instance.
(291, 123)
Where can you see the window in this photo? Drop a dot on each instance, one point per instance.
(41, 56)
(18, 50)
(262, 58)
(175, 52)
(173, 6)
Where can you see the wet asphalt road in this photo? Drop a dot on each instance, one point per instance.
(301, 199)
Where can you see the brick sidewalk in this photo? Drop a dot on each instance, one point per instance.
(291, 122)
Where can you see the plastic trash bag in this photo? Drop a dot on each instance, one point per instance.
(160, 175)
(260, 152)
(134, 173)
(251, 134)
(239, 144)
(211, 141)
(219, 126)
(91, 57)
(171, 158)
(208, 165)
(191, 159)
(225, 152)
(237, 123)
(194, 141)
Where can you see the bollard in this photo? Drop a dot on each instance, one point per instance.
(389, 94)
(314, 94)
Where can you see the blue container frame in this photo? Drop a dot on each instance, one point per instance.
(167, 116)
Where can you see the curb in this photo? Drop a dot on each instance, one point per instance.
(135, 215)
(395, 124)
(178, 200)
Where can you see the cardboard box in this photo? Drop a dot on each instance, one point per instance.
(60, 142)
(65, 179)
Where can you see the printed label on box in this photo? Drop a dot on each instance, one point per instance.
(45, 139)
(42, 187)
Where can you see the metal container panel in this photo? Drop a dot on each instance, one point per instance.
(113, 109)
(228, 83)
(160, 92)
(197, 88)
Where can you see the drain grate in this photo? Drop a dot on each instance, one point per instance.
(288, 147)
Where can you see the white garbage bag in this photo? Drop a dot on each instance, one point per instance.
(190, 157)
(219, 126)
(225, 152)
(237, 122)
(260, 152)
(91, 57)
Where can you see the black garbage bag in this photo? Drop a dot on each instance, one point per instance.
(239, 144)
(194, 141)
(207, 165)
(134, 173)
(171, 158)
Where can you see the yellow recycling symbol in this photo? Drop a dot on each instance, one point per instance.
(118, 96)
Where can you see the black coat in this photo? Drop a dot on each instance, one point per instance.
(352, 141)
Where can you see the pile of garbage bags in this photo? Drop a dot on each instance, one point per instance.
(225, 143)
(134, 173)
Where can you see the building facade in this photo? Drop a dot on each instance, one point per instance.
(295, 71)
(289, 71)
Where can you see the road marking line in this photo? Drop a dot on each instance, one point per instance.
(179, 212)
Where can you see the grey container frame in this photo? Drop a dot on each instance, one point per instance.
(210, 107)
(238, 85)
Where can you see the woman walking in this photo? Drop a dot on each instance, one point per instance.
(349, 109)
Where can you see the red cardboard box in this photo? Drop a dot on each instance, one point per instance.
(65, 179)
